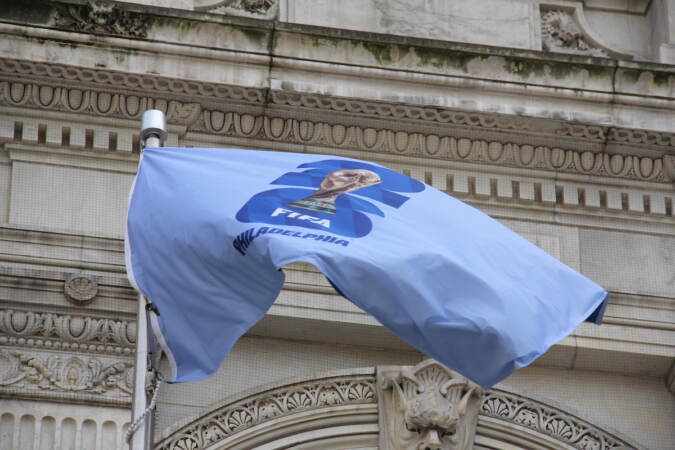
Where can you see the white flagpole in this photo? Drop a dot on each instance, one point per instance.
(153, 134)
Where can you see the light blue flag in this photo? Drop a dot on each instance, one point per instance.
(208, 231)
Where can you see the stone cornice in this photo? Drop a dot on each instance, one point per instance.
(423, 131)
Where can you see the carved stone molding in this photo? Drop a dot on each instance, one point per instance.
(448, 143)
(427, 406)
(550, 421)
(80, 288)
(101, 17)
(434, 146)
(484, 121)
(15, 91)
(269, 405)
(443, 145)
(77, 100)
(66, 332)
(49, 73)
(65, 376)
(515, 414)
(560, 33)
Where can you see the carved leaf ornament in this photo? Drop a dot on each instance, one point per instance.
(101, 17)
(269, 405)
(66, 374)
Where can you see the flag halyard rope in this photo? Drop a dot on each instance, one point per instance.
(158, 378)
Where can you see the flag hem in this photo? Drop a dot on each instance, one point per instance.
(154, 323)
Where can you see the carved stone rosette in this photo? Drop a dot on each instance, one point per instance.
(80, 288)
(426, 407)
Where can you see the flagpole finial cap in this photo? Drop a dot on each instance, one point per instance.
(153, 125)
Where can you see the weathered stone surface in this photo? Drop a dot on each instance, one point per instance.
(426, 406)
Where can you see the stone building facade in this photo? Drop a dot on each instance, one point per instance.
(555, 117)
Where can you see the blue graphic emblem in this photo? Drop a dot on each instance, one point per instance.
(330, 197)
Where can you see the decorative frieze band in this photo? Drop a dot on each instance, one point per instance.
(268, 405)
(435, 146)
(547, 420)
(66, 332)
(63, 376)
(124, 80)
(76, 100)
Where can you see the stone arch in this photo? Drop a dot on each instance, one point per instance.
(339, 410)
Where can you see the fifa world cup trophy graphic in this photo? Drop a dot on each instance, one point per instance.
(335, 184)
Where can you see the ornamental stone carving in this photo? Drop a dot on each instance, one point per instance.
(340, 398)
(113, 102)
(77, 100)
(66, 332)
(334, 392)
(31, 374)
(438, 147)
(549, 421)
(426, 407)
(80, 289)
(101, 17)
(561, 33)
